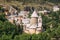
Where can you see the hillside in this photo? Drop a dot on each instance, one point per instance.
(43, 26)
(48, 4)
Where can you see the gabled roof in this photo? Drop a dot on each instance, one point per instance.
(34, 14)
(45, 11)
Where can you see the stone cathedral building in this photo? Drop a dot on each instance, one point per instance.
(35, 25)
(31, 25)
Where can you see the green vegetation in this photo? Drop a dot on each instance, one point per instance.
(9, 31)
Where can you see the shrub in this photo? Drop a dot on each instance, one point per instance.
(6, 37)
(2, 17)
(45, 36)
(17, 37)
(35, 37)
(8, 27)
(25, 37)
(57, 31)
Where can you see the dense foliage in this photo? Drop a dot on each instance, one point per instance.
(10, 31)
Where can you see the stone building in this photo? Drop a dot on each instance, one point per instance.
(31, 25)
(44, 12)
(56, 8)
(35, 26)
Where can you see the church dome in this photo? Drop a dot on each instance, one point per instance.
(34, 14)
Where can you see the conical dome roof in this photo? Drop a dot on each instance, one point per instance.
(34, 14)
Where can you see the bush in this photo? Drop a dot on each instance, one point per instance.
(2, 17)
(57, 31)
(17, 37)
(35, 37)
(6, 37)
(8, 27)
(25, 37)
(45, 36)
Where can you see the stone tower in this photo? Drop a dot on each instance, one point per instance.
(35, 25)
(34, 18)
